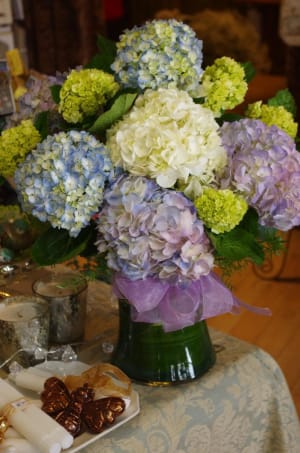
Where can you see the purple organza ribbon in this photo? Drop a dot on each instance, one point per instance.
(179, 305)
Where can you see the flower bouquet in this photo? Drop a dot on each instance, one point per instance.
(151, 172)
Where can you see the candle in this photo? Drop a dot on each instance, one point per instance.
(66, 294)
(24, 325)
(19, 311)
(25, 417)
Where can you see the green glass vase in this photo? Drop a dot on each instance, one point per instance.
(149, 355)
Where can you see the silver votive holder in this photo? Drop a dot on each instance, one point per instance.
(24, 327)
(66, 294)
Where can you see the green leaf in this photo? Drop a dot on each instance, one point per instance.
(285, 99)
(228, 116)
(250, 222)
(199, 100)
(238, 244)
(272, 241)
(106, 56)
(41, 123)
(120, 106)
(57, 246)
(55, 90)
(249, 70)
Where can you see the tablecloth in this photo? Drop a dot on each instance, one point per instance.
(241, 405)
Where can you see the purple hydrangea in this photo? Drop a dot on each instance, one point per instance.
(148, 231)
(263, 166)
(37, 99)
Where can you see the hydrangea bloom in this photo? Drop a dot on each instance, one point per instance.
(148, 231)
(161, 53)
(36, 99)
(220, 210)
(84, 92)
(167, 137)
(15, 143)
(264, 166)
(273, 115)
(62, 180)
(223, 85)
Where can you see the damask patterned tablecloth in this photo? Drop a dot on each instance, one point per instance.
(241, 405)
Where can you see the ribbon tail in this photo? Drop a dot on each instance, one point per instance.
(217, 299)
(259, 310)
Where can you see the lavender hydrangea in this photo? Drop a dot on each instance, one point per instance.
(62, 180)
(148, 231)
(161, 53)
(264, 166)
(37, 99)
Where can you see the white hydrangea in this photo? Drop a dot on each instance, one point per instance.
(169, 138)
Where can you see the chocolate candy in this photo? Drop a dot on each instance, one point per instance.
(84, 394)
(55, 396)
(78, 410)
(101, 413)
(70, 418)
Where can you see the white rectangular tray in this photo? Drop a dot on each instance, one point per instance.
(66, 368)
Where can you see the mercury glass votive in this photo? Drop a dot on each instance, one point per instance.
(66, 294)
(24, 327)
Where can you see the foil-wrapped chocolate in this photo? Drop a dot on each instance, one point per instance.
(78, 410)
(55, 396)
(70, 418)
(99, 414)
(83, 394)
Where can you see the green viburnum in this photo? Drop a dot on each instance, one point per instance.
(223, 85)
(220, 210)
(15, 144)
(84, 92)
(273, 115)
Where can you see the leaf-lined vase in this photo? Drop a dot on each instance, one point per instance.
(149, 355)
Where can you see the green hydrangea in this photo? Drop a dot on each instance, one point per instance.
(273, 115)
(223, 85)
(15, 144)
(84, 92)
(220, 210)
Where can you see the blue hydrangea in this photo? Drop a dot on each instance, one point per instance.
(161, 53)
(148, 231)
(264, 167)
(62, 180)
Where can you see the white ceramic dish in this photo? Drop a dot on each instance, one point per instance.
(82, 441)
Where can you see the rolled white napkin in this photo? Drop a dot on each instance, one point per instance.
(17, 445)
(31, 378)
(31, 422)
(10, 432)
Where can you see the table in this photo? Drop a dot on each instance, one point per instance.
(242, 405)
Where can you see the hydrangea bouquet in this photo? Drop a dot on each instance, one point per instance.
(152, 172)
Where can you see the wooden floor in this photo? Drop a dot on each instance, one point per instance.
(279, 334)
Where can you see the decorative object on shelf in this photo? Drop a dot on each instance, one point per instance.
(153, 173)
(66, 294)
